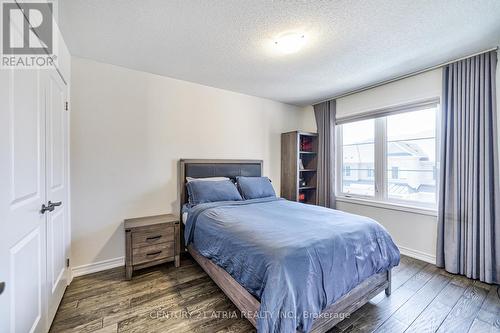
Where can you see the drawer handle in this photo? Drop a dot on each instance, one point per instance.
(153, 253)
(153, 238)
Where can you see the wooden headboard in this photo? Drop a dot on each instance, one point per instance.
(215, 168)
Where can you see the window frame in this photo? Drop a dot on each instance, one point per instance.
(381, 197)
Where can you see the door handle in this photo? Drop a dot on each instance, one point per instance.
(54, 204)
(46, 209)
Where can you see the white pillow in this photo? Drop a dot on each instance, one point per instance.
(190, 179)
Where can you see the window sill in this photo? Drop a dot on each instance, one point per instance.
(387, 205)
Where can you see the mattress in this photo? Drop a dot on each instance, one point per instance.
(297, 259)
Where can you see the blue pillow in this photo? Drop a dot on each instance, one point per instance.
(202, 191)
(255, 187)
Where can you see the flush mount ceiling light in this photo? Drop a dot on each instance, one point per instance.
(290, 42)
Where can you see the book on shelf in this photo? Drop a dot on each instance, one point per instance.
(301, 164)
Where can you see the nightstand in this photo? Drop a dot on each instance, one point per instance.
(150, 241)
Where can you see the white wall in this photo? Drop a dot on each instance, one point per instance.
(308, 122)
(128, 131)
(415, 234)
(413, 89)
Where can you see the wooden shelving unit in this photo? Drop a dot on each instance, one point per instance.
(298, 166)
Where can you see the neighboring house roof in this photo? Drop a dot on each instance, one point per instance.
(406, 149)
(364, 152)
(427, 188)
(401, 188)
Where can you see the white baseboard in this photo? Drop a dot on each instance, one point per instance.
(120, 261)
(431, 259)
(97, 266)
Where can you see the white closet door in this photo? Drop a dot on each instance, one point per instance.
(34, 167)
(22, 191)
(57, 189)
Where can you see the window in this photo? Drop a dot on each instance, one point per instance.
(395, 172)
(358, 153)
(403, 144)
(411, 148)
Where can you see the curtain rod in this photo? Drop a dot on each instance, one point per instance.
(401, 77)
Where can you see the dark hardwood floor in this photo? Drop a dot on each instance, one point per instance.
(164, 299)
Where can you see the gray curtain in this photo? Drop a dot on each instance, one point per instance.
(325, 121)
(469, 195)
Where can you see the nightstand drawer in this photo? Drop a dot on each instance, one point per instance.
(151, 240)
(151, 253)
(152, 236)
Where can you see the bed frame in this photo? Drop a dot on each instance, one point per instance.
(244, 301)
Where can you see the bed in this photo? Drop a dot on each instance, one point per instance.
(279, 272)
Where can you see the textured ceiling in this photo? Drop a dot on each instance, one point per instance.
(228, 43)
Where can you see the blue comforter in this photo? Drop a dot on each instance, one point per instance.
(296, 259)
